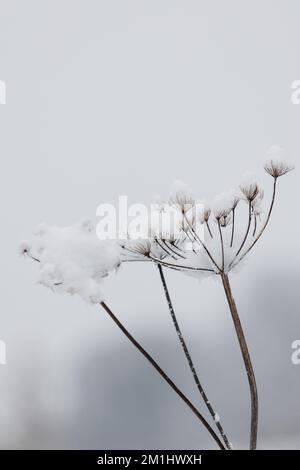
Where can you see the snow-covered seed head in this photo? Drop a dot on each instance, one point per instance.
(225, 220)
(222, 206)
(205, 214)
(189, 219)
(23, 248)
(142, 247)
(181, 197)
(249, 187)
(219, 214)
(235, 198)
(277, 169)
(276, 165)
(256, 203)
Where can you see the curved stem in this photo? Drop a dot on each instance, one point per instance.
(171, 265)
(189, 359)
(222, 244)
(135, 260)
(164, 249)
(175, 245)
(247, 231)
(208, 228)
(198, 239)
(266, 222)
(255, 225)
(163, 375)
(28, 253)
(171, 248)
(246, 359)
(232, 228)
(134, 252)
(192, 240)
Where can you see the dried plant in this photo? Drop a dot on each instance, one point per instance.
(207, 240)
(222, 250)
(73, 260)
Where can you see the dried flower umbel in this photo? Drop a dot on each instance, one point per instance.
(72, 260)
(221, 250)
(276, 165)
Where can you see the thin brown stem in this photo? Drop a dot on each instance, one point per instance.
(135, 260)
(134, 252)
(222, 244)
(189, 358)
(28, 253)
(266, 222)
(246, 359)
(163, 374)
(171, 265)
(247, 231)
(175, 245)
(167, 252)
(208, 228)
(255, 225)
(192, 240)
(232, 227)
(173, 248)
(198, 239)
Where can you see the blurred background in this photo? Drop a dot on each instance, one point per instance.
(109, 98)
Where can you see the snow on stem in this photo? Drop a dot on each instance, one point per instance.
(179, 266)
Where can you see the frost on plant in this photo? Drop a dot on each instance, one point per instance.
(212, 238)
(187, 234)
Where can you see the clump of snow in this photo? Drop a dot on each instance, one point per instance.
(216, 418)
(73, 260)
